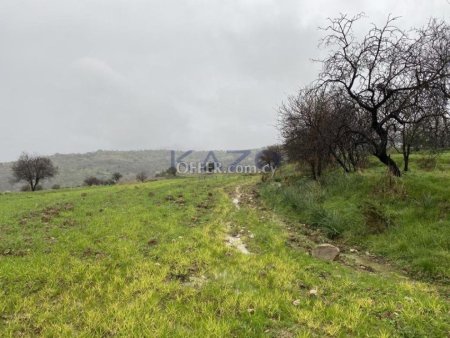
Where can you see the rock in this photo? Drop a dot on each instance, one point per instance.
(296, 302)
(325, 251)
(313, 292)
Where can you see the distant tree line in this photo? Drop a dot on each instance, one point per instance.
(388, 90)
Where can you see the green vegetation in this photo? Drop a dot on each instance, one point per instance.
(73, 169)
(407, 220)
(152, 260)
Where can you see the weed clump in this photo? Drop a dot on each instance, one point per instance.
(376, 221)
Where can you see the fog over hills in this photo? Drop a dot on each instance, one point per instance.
(74, 168)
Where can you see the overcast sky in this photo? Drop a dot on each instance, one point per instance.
(82, 75)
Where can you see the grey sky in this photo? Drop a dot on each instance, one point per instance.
(82, 75)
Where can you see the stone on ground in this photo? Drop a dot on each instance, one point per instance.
(326, 252)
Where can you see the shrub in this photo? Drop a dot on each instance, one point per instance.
(376, 221)
(116, 177)
(142, 176)
(170, 172)
(92, 180)
(108, 182)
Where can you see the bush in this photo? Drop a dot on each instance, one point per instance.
(92, 180)
(116, 177)
(56, 186)
(170, 172)
(142, 176)
(376, 221)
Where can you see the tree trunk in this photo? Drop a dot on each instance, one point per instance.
(406, 153)
(406, 149)
(340, 161)
(381, 150)
(34, 185)
(313, 170)
(393, 167)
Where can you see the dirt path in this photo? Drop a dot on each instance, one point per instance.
(235, 241)
(302, 237)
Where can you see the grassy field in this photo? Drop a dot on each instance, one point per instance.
(152, 260)
(406, 220)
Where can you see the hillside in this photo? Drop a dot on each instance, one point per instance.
(74, 168)
(406, 220)
(200, 256)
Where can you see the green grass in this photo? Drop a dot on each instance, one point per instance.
(151, 260)
(407, 219)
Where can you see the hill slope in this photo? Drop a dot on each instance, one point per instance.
(179, 258)
(406, 219)
(74, 168)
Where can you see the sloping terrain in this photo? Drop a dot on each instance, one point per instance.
(74, 168)
(167, 258)
(405, 220)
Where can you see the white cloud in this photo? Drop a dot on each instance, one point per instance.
(78, 75)
(98, 69)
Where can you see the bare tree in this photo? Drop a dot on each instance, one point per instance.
(33, 169)
(270, 157)
(421, 124)
(142, 176)
(345, 131)
(303, 126)
(320, 128)
(384, 71)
